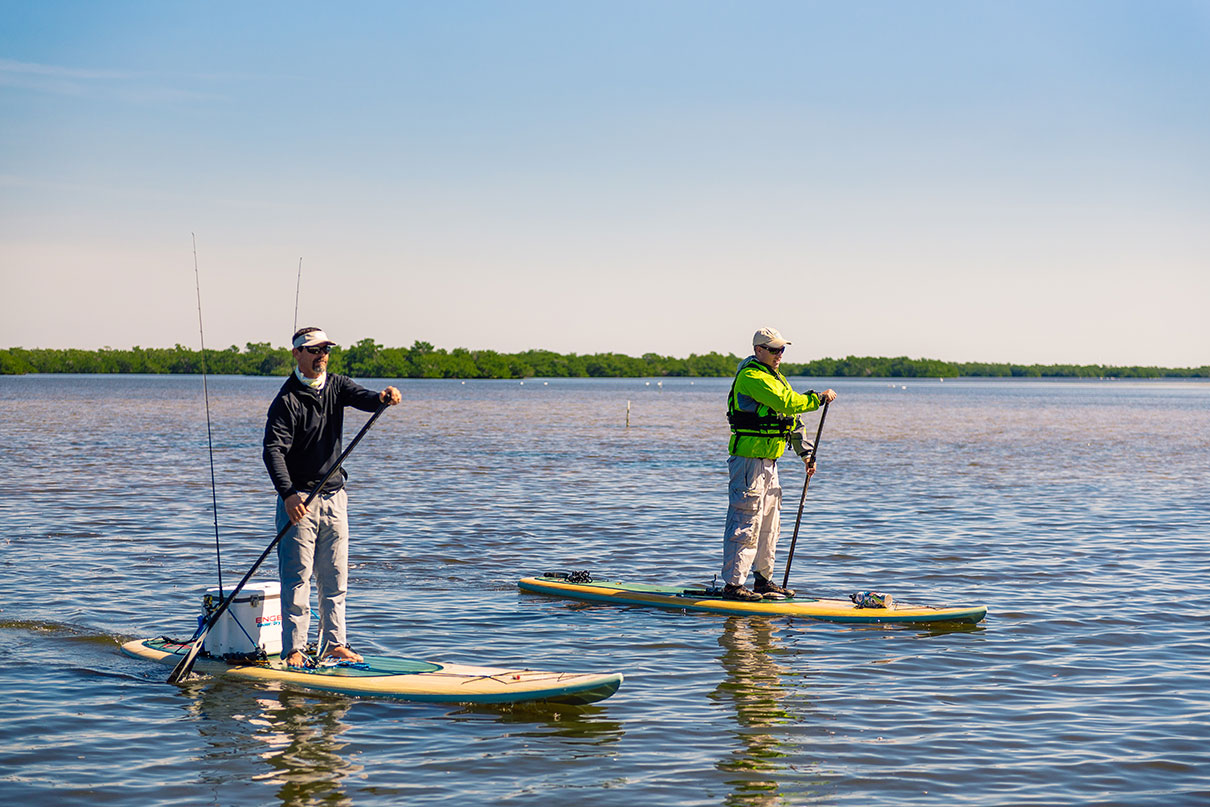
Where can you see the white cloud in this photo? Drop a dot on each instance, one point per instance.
(126, 85)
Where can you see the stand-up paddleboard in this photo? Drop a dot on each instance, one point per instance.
(403, 679)
(828, 610)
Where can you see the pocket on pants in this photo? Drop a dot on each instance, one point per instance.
(745, 499)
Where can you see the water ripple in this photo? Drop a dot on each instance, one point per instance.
(1077, 511)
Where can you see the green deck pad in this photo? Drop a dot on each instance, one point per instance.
(667, 591)
(373, 665)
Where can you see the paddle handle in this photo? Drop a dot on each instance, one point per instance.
(806, 482)
(186, 664)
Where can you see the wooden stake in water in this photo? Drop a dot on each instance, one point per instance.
(628, 414)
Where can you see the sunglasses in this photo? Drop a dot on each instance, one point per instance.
(322, 350)
(776, 351)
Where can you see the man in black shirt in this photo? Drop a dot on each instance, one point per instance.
(302, 441)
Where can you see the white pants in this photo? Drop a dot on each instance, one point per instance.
(753, 519)
(320, 544)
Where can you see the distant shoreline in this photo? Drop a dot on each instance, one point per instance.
(368, 359)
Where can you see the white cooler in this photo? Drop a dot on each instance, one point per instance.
(252, 622)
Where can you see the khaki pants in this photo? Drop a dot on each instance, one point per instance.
(753, 518)
(319, 544)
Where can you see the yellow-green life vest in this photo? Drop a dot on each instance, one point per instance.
(762, 410)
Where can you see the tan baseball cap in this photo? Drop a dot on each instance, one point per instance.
(769, 337)
(312, 338)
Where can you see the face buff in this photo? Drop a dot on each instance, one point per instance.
(314, 383)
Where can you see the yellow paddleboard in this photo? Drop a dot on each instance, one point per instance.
(829, 610)
(403, 679)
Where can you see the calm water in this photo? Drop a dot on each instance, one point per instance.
(1077, 511)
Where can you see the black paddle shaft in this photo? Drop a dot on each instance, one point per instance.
(803, 499)
(186, 664)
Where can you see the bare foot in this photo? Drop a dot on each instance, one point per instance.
(343, 653)
(297, 659)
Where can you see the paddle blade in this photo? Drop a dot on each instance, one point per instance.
(185, 665)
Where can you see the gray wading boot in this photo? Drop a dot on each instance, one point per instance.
(769, 590)
(741, 593)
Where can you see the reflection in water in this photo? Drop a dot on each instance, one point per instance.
(297, 735)
(295, 741)
(584, 723)
(303, 735)
(931, 629)
(754, 685)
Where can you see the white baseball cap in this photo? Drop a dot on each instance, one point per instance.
(769, 337)
(312, 338)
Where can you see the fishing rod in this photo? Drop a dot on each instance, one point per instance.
(206, 395)
(805, 483)
(297, 288)
(186, 664)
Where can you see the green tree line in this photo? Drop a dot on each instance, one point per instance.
(368, 359)
(903, 367)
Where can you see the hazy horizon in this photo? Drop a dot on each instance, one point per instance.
(737, 354)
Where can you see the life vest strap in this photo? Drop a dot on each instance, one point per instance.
(752, 424)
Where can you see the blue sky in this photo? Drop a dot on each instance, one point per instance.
(1016, 181)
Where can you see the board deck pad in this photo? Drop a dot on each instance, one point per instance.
(401, 678)
(699, 599)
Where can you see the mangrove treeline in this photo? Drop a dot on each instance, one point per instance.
(368, 359)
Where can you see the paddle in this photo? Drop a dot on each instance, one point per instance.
(805, 483)
(186, 664)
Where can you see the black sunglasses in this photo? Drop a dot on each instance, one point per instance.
(776, 351)
(322, 350)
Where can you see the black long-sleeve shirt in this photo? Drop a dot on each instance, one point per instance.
(303, 431)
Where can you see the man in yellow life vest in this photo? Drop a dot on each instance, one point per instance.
(762, 410)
